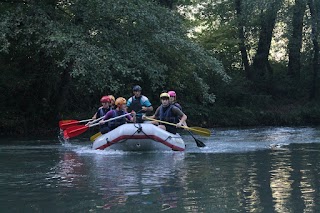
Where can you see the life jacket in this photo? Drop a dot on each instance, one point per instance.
(136, 104)
(102, 112)
(117, 122)
(177, 105)
(165, 114)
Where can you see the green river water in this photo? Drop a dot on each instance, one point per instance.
(269, 169)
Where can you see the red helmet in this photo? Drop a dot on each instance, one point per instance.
(105, 99)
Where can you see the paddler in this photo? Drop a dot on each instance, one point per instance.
(139, 103)
(169, 113)
(120, 103)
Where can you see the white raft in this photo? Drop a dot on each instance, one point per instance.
(139, 137)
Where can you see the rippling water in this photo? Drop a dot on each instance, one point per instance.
(240, 170)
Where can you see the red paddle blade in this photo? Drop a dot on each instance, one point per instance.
(65, 121)
(66, 125)
(74, 131)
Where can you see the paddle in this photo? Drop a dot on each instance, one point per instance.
(197, 130)
(64, 124)
(198, 142)
(68, 123)
(79, 129)
(93, 137)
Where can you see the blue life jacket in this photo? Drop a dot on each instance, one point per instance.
(117, 122)
(102, 112)
(165, 114)
(177, 105)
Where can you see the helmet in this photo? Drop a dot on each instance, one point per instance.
(172, 93)
(136, 88)
(164, 95)
(105, 99)
(111, 97)
(120, 101)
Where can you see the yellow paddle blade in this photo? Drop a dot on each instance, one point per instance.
(200, 131)
(93, 137)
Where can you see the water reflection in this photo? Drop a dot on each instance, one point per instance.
(121, 180)
(68, 172)
(282, 183)
(281, 180)
(155, 178)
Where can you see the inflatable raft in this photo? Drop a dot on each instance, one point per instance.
(139, 137)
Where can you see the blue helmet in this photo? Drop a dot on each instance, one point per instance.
(136, 88)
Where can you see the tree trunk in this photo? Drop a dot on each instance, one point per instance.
(314, 12)
(59, 98)
(260, 62)
(295, 42)
(242, 46)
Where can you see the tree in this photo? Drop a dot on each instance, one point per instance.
(314, 8)
(61, 56)
(295, 40)
(241, 36)
(268, 17)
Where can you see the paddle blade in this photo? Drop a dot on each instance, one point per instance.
(93, 137)
(65, 125)
(200, 131)
(74, 131)
(65, 121)
(199, 143)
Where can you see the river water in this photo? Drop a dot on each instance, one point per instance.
(270, 169)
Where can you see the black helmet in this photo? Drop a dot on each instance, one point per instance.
(136, 88)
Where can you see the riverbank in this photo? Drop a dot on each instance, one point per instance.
(216, 116)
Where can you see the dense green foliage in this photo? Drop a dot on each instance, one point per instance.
(58, 57)
(270, 50)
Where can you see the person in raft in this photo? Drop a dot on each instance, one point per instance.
(113, 100)
(169, 113)
(173, 99)
(139, 103)
(106, 102)
(120, 110)
(102, 111)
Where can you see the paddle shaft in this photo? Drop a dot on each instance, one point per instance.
(93, 137)
(202, 131)
(111, 119)
(77, 130)
(165, 122)
(96, 120)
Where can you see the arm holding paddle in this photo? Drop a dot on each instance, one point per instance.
(64, 124)
(198, 130)
(133, 113)
(79, 129)
(131, 117)
(182, 121)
